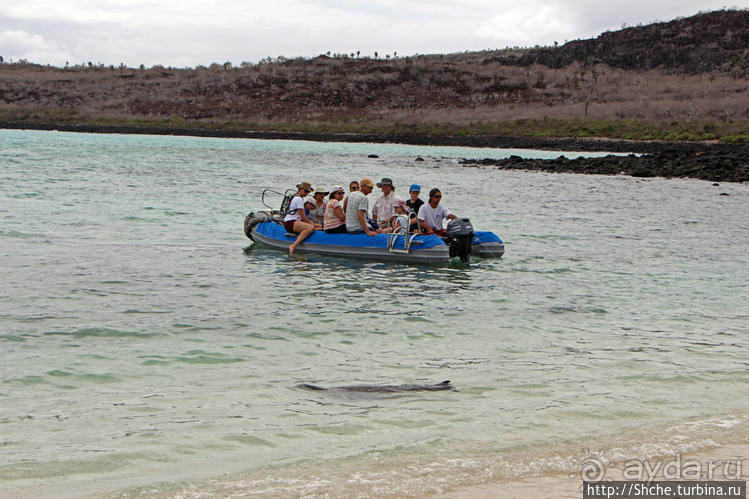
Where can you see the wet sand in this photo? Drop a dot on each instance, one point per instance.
(730, 462)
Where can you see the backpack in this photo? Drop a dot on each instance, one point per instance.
(285, 204)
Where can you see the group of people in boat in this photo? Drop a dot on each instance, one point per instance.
(348, 213)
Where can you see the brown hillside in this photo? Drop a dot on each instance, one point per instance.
(583, 80)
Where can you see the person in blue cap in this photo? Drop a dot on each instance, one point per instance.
(415, 202)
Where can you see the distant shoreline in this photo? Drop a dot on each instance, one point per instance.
(702, 160)
(486, 141)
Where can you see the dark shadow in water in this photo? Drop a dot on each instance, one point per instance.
(408, 387)
(313, 282)
(376, 391)
(453, 271)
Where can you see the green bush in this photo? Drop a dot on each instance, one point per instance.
(735, 139)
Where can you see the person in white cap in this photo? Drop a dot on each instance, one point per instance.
(400, 221)
(317, 212)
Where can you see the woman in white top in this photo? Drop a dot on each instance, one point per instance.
(296, 220)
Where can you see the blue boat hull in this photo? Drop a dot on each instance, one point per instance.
(423, 249)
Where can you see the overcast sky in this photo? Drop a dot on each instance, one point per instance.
(182, 33)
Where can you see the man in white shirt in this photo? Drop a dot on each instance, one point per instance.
(383, 208)
(356, 209)
(431, 215)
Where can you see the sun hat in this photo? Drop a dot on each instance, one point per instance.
(310, 201)
(385, 181)
(401, 203)
(306, 186)
(336, 188)
(322, 191)
(414, 188)
(367, 181)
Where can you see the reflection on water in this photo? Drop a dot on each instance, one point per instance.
(327, 286)
(320, 273)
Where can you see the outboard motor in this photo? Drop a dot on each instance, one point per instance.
(459, 235)
(252, 220)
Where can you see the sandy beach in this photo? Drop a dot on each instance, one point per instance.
(730, 462)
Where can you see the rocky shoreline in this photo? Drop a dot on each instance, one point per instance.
(716, 166)
(708, 161)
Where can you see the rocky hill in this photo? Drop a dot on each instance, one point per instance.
(712, 41)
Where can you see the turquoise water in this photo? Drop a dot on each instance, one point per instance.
(143, 351)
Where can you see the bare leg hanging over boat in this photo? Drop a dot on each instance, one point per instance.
(304, 230)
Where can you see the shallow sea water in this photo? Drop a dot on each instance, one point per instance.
(144, 352)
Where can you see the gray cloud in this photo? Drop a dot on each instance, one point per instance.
(192, 32)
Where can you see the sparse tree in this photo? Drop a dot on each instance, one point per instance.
(375, 54)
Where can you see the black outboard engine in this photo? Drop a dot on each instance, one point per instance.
(459, 235)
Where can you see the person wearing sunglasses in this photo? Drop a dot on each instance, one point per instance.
(432, 214)
(357, 207)
(296, 219)
(352, 187)
(316, 214)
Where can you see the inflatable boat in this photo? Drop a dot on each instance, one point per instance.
(266, 228)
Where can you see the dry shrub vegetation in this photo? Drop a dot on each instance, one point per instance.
(425, 94)
(469, 93)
